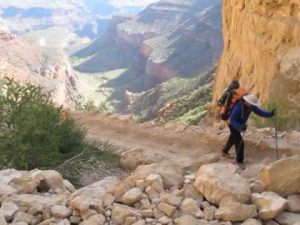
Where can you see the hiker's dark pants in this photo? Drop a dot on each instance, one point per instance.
(235, 139)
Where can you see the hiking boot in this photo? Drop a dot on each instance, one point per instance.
(227, 155)
(242, 166)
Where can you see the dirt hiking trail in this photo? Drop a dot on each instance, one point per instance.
(175, 141)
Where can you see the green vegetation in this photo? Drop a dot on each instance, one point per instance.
(286, 119)
(32, 131)
(89, 106)
(191, 108)
(188, 100)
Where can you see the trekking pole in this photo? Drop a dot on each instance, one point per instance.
(242, 140)
(276, 137)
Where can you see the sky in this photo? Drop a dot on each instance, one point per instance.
(131, 3)
(104, 8)
(56, 3)
(36, 12)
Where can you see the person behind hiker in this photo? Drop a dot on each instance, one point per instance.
(238, 123)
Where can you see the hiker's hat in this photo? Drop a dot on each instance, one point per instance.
(252, 100)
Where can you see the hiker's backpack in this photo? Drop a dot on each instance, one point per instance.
(231, 96)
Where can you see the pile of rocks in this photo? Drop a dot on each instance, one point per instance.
(156, 194)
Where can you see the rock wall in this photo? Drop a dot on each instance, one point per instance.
(262, 49)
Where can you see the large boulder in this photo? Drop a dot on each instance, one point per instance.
(140, 222)
(60, 211)
(131, 159)
(9, 210)
(172, 199)
(189, 191)
(94, 220)
(31, 181)
(6, 190)
(287, 218)
(167, 209)
(5, 178)
(269, 204)
(123, 186)
(80, 204)
(218, 182)
(190, 206)
(24, 217)
(271, 222)
(7, 175)
(293, 203)
(27, 201)
(99, 193)
(121, 212)
(235, 211)
(62, 222)
(283, 176)
(69, 186)
(206, 159)
(2, 220)
(190, 220)
(132, 196)
(28, 182)
(170, 171)
(251, 222)
(53, 180)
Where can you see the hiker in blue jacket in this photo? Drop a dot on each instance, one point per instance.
(238, 123)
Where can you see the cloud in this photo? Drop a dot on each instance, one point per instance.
(131, 3)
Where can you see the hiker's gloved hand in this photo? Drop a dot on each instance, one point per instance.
(274, 112)
(244, 128)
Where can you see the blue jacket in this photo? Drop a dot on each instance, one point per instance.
(240, 115)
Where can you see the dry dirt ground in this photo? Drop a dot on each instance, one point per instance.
(184, 144)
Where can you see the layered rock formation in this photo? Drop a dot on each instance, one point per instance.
(25, 62)
(166, 40)
(261, 49)
(109, 51)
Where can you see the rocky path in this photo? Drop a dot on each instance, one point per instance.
(211, 192)
(173, 141)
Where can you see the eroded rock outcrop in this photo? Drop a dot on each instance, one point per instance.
(28, 63)
(261, 49)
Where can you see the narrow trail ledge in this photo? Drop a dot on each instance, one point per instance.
(179, 142)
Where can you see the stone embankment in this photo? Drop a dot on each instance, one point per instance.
(216, 193)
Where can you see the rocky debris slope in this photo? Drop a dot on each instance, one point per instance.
(26, 62)
(261, 49)
(218, 194)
